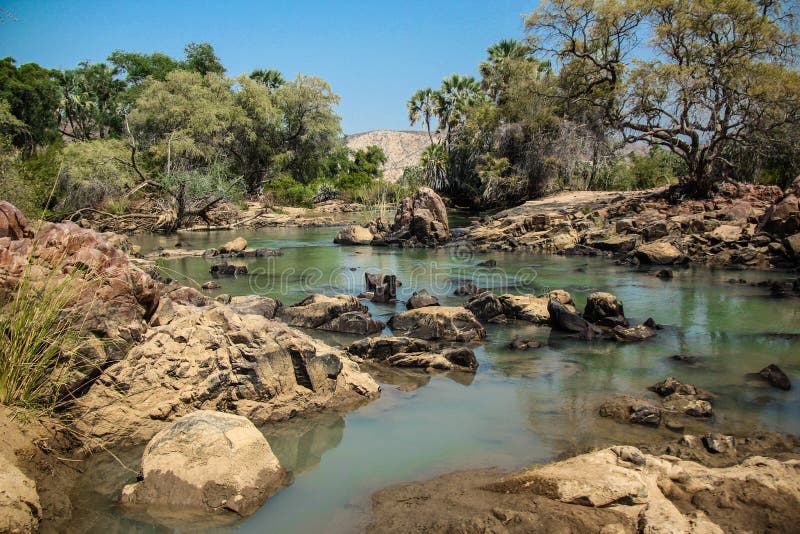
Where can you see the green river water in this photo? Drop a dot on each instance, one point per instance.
(520, 408)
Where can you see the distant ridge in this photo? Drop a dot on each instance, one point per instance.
(403, 148)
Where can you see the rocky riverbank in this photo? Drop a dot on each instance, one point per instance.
(743, 226)
(153, 353)
(677, 487)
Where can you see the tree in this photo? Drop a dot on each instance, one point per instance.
(32, 95)
(309, 126)
(455, 96)
(498, 67)
(434, 166)
(200, 57)
(91, 101)
(422, 106)
(721, 74)
(138, 67)
(270, 78)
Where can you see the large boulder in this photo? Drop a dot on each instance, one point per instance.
(353, 235)
(13, 223)
(783, 217)
(20, 510)
(422, 217)
(339, 313)
(604, 309)
(487, 307)
(410, 352)
(210, 461)
(255, 305)
(211, 357)
(111, 299)
(451, 323)
(658, 253)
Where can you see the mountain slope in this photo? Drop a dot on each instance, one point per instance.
(402, 148)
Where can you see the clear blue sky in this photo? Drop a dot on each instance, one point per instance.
(374, 54)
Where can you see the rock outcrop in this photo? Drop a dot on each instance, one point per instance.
(447, 323)
(416, 353)
(208, 461)
(421, 299)
(604, 309)
(211, 357)
(339, 313)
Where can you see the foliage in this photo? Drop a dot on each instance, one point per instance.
(269, 78)
(287, 191)
(37, 334)
(201, 58)
(32, 96)
(91, 101)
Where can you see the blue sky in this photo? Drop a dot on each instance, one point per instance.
(374, 54)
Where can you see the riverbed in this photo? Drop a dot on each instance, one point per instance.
(520, 408)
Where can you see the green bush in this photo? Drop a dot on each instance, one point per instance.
(289, 192)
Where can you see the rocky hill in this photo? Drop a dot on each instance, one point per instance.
(402, 148)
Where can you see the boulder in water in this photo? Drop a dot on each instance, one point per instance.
(451, 323)
(776, 377)
(340, 313)
(353, 235)
(421, 299)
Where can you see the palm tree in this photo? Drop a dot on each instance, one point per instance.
(492, 70)
(271, 78)
(422, 105)
(434, 166)
(456, 95)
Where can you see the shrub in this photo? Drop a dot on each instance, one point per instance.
(289, 192)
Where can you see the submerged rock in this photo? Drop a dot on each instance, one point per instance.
(340, 313)
(451, 323)
(210, 461)
(467, 289)
(776, 377)
(226, 269)
(519, 343)
(625, 409)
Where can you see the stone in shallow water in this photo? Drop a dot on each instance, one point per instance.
(208, 460)
(776, 377)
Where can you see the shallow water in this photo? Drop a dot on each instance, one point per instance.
(520, 408)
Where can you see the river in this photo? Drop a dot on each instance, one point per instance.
(520, 408)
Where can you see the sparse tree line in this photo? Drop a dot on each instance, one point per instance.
(620, 94)
(179, 132)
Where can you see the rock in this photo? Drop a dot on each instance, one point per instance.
(422, 216)
(792, 245)
(685, 358)
(658, 253)
(212, 357)
(488, 263)
(20, 510)
(207, 460)
(532, 308)
(665, 274)
(450, 323)
(226, 269)
(236, 245)
(382, 286)
(727, 233)
(13, 223)
(652, 324)
(380, 348)
(467, 289)
(625, 409)
(420, 299)
(617, 244)
(670, 386)
(211, 284)
(340, 313)
(687, 405)
(255, 305)
(410, 352)
(655, 231)
(633, 333)
(267, 252)
(486, 307)
(719, 443)
(783, 217)
(113, 299)
(776, 377)
(353, 235)
(604, 309)
(561, 318)
(519, 343)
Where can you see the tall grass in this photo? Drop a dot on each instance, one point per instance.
(37, 335)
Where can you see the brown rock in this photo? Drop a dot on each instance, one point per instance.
(236, 245)
(450, 323)
(207, 460)
(423, 216)
(13, 223)
(353, 235)
(340, 313)
(420, 299)
(20, 510)
(604, 309)
(658, 253)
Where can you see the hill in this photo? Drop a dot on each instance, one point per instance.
(402, 148)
